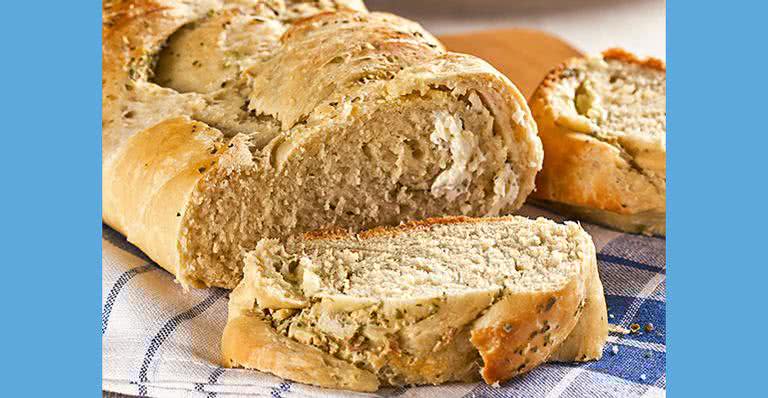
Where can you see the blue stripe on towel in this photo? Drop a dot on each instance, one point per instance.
(170, 326)
(284, 387)
(116, 288)
(629, 263)
(212, 379)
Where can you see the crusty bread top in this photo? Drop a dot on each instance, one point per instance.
(261, 67)
(621, 54)
(134, 32)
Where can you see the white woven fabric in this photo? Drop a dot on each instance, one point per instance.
(159, 341)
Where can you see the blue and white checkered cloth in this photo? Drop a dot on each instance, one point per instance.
(159, 341)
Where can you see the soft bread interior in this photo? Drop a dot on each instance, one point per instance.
(446, 259)
(402, 303)
(422, 155)
(625, 103)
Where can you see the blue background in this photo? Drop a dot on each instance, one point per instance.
(50, 267)
(717, 178)
(717, 257)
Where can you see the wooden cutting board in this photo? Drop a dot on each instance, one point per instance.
(524, 55)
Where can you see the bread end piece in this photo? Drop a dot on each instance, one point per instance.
(602, 121)
(146, 190)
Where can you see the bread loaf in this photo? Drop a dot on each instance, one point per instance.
(225, 122)
(602, 121)
(451, 299)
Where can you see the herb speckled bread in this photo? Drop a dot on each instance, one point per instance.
(602, 121)
(451, 299)
(225, 122)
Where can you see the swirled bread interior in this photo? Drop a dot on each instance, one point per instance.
(602, 120)
(428, 302)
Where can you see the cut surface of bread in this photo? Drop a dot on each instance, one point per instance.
(451, 299)
(228, 122)
(602, 121)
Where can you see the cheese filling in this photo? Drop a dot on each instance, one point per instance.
(465, 155)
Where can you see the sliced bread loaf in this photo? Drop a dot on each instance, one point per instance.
(429, 302)
(228, 122)
(602, 121)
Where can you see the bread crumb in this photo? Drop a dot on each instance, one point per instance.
(642, 377)
(617, 329)
(615, 349)
(649, 327)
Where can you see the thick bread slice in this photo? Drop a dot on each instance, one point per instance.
(602, 121)
(225, 122)
(449, 299)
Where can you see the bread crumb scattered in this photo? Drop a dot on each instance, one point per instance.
(615, 349)
(617, 329)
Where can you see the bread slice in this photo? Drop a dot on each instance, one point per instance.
(225, 123)
(602, 121)
(448, 299)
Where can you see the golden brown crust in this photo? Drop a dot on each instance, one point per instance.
(148, 203)
(583, 170)
(521, 331)
(415, 225)
(425, 225)
(398, 229)
(623, 55)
